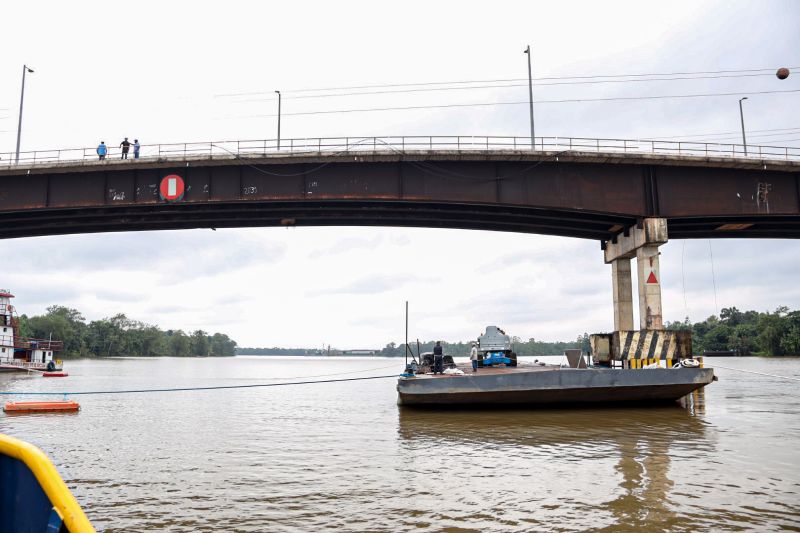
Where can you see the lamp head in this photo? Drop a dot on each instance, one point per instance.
(527, 50)
(277, 92)
(29, 69)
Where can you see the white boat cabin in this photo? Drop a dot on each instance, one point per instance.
(22, 353)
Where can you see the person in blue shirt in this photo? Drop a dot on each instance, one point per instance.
(102, 150)
(136, 147)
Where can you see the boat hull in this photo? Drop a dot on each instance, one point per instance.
(554, 387)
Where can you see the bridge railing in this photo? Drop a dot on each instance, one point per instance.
(458, 143)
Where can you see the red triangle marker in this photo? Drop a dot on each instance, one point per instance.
(652, 277)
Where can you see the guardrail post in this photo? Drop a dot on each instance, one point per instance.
(291, 145)
(430, 143)
(679, 148)
(184, 151)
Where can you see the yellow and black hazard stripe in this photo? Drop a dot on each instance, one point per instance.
(648, 346)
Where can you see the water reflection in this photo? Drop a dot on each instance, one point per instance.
(626, 454)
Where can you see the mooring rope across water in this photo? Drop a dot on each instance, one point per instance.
(181, 389)
(754, 372)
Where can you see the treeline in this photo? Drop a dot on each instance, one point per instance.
(529, 347)
(462, 348)
(278, 351)
(120, 336)
(746, 333)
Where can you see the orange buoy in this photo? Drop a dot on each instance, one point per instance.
(41, 407)
(55, 374)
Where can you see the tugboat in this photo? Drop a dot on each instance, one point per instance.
(22, 354)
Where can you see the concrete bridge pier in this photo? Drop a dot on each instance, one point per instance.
(641, 241)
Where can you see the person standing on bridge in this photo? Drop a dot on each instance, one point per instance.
(136, 147)
(438, 358)
(126, 145)
(102, 150)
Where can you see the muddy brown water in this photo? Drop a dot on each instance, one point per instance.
(345, 457)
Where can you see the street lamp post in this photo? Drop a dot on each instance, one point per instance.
(741, 116)
(25, 70)
(279, 119)
(530, 96)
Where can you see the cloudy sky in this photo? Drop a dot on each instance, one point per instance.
(198, 71)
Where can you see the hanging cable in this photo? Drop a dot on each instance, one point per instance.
(713, 276)
(476, 87)
(754, 372)
(508, 80)
(525, 102)
(184, 389)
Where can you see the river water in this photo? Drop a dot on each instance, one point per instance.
(345, 457)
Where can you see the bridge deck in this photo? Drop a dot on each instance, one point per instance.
(594, 195)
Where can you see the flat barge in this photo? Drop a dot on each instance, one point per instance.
(551, 385)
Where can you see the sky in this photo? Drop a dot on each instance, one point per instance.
(201, 71)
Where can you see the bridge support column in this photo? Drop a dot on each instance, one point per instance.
(623, 294)
(649, 287)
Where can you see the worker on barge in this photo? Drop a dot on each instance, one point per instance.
(473, 356)
(438, 359)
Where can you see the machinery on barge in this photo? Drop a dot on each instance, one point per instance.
(23, 354)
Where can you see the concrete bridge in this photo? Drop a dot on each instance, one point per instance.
(629, 195)
(585, 188)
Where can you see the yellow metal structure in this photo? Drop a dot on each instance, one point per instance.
(53, 486)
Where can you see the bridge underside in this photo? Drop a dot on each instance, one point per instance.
(592, 196)
(597, 226)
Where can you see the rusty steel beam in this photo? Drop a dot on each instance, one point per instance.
(586, 197)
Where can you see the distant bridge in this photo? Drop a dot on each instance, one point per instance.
(586, 188)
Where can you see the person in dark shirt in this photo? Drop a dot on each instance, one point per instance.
(438, 358)
(126, 145)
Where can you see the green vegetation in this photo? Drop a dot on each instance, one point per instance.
(278, 351)
(529, 347)
(746, 333)
(119, 335)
